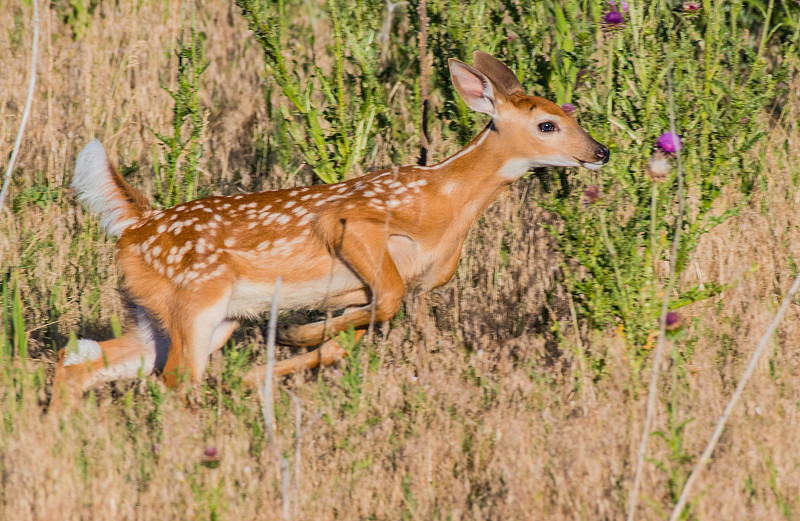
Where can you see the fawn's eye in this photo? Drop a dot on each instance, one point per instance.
(547, 126)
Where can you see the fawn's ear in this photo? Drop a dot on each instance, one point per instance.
(473, 87)
(503, 78)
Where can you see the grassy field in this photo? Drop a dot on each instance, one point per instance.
(519, 391)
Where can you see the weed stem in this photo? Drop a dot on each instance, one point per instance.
(625, 305)
(659, 351)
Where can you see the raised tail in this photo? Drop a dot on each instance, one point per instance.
(105, 192)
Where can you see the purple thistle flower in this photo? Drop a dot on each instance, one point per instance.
(691, 8)
(673, 321)
(568, 108)
(669, 142)
(613, 21)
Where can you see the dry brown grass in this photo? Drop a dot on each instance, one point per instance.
(477, 414)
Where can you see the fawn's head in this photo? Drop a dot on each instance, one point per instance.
(534, 129)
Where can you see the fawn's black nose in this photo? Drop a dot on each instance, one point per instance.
(602, 154)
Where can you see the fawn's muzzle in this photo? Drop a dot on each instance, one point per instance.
(602, 153)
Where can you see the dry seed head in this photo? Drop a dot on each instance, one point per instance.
(658, 167)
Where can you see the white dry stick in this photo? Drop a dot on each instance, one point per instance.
(298, 433)
(28, 103)
(751, 366)
(659, 351)
(268, 406)
(285, 496)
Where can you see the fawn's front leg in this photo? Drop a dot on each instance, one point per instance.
(328, 353)
(188, 362)
(363, 249)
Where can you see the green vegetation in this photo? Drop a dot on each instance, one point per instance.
(721, 80)
(520, 388)
(333, 116)
(177, 178)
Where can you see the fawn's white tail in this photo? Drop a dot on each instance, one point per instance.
(105, 192)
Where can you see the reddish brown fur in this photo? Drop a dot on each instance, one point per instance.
(361, 244)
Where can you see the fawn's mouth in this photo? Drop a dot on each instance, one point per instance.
(590, 165)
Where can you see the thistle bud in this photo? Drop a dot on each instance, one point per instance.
(673, 321)
(691, 8)
(592, 194)
(211, 457)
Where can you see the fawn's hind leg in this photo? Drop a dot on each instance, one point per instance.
(196, 333)
(136, 353)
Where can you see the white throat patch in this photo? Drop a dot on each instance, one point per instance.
(515, 168)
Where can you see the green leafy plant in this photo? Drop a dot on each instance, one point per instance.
(77, 14)
(14, 339)
(678, 461)
(176, 178)
(614, 242)
(331, 120)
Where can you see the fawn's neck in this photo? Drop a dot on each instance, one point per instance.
(473, 178)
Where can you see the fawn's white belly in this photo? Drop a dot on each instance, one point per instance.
(251, 298)
(339, 288)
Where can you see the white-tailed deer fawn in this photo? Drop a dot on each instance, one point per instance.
(194, 270)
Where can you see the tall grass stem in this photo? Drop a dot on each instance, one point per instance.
(268, 407)
(424, 144)
(26, 112)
